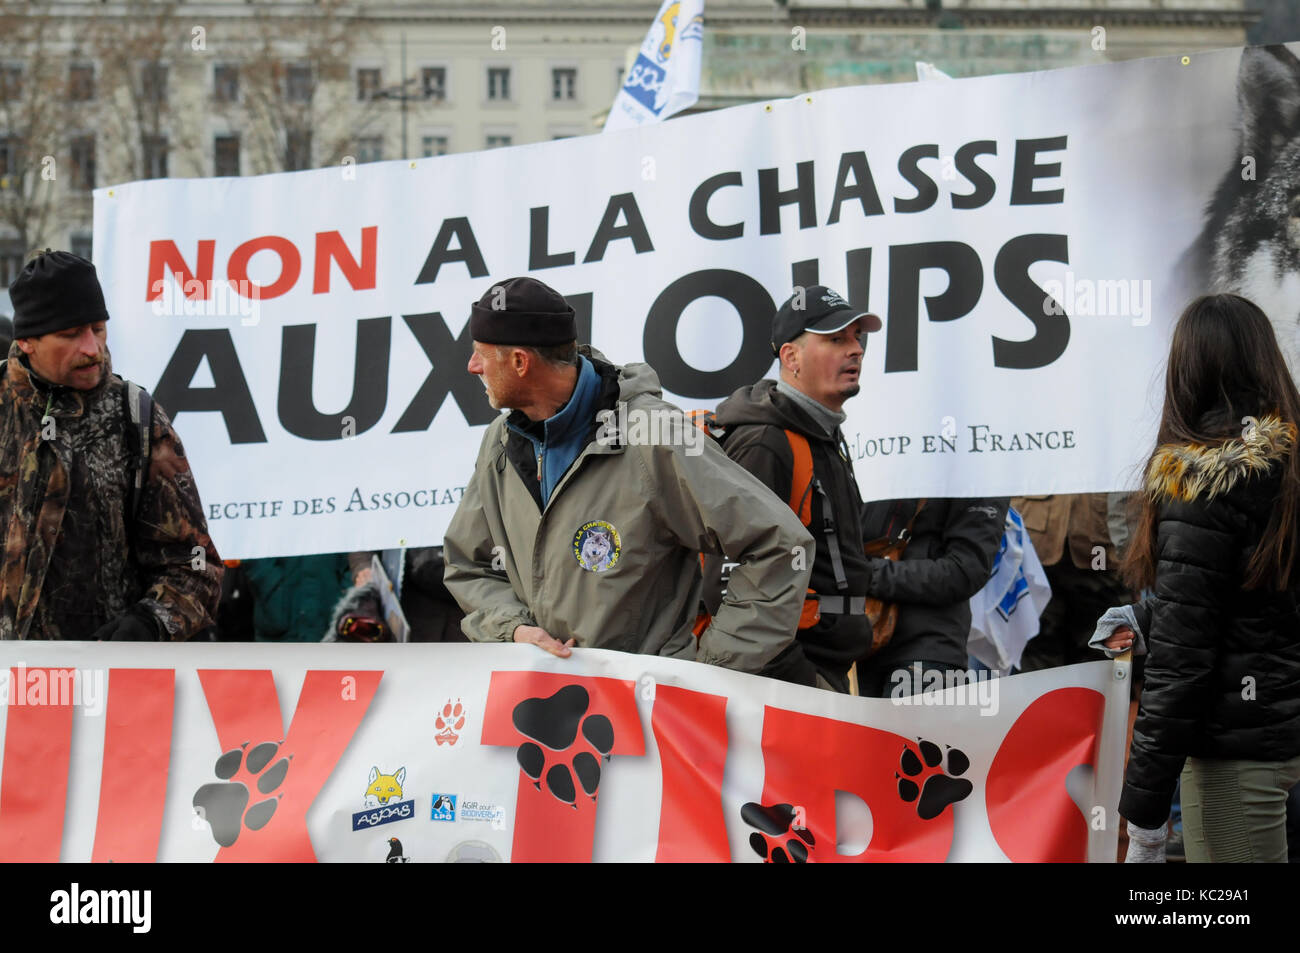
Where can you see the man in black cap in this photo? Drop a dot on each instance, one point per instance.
(787, 433)
(591, 502)
(101, 528)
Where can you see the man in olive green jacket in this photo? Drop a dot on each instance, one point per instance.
(591, 502)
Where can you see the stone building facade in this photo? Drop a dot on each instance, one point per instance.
(97, 93)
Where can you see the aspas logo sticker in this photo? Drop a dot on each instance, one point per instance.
(384, 787)
(596, 546)
(384, 803)
(450, 722)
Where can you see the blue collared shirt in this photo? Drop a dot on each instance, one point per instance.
(564, 434)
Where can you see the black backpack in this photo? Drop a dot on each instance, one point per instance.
(138, 404)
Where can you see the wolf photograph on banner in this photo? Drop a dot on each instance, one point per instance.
(1250, 244)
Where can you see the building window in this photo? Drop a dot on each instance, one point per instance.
(368, 83)
(83, 163)
(10, 162)
(11, 260)
(298, 83)
(496, 142)
(225, 83)
(433, 146)
(153, 82)
(434, 82)
(225, 155)
(82, 245)
(370, 148)
(564, 84)
(154, 149)
(81, 83)
(11, 82)
(297, 152)
(499, 82)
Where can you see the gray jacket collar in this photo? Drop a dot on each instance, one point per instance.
(829, 420)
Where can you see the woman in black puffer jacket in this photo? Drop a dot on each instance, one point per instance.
(1216, 539)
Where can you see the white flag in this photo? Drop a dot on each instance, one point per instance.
(665, 78)
(1004, 614)
(926, 71)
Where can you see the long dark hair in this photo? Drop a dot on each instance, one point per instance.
(1224, 365)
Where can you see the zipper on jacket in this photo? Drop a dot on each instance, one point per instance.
(539, 466)
(568, 475)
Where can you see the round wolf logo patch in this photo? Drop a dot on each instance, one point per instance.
(596, 546)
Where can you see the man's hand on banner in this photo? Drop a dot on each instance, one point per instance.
(539, 637)
(135, 625)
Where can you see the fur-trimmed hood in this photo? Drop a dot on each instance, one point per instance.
(1187, 472)
(363, 602)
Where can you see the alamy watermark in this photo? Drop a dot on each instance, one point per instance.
(1101, 298)
(64, 687)
(77, 906)
(212, 299)
(644, 427)
(975, 688)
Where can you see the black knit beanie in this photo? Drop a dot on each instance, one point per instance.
(56, 290)
(524, 312)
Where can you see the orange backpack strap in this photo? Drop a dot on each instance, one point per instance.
(812, 611)
(801, 479)
(702, 622)
(802, 484)
(707, 421)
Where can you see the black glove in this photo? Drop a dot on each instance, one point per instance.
(136, 625)
(424, 570)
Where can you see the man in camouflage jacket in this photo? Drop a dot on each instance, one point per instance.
(77, 562)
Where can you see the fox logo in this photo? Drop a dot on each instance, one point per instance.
(385, 787)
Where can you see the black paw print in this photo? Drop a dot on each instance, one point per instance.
(777, 844)
(222, 805)
(925, 777)
(553, 723)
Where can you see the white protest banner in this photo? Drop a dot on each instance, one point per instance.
(1020, 235)
(425, 752)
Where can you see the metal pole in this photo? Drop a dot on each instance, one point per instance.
(405, 154)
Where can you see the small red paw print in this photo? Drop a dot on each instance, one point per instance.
(450, 722)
